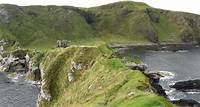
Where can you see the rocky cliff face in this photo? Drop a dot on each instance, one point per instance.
(125, 21)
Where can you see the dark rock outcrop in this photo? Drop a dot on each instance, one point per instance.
(157, 88)
(134, 66)
(151, 36)
(153, 75)
(37, 73)
(34, 74)
(187, 86)
(153, 15)
(187, 36)
(18, 65)
(186, 103)
(192, 22)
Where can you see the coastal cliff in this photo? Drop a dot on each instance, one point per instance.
(88, 74)
(91, 76)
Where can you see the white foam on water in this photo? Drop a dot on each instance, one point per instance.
(175, 95)
(193, 92)
(33, 82)
(167, 75)
(14, 79)
(158, 51)
(182, 51)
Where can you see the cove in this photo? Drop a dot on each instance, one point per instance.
(184, 65)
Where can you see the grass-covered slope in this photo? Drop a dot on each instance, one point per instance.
(137, 21)
(38, 25)
(101, 81)
(42, 26)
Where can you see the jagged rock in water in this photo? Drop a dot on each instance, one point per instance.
(186, 103)
(187, 86)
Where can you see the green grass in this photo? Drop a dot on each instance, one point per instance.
(121, 22)
(102, 82)
(145, 101)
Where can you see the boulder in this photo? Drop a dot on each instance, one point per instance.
(71, 77)
(34, 74)
(62, 43)
(186, 103)
(187, 86)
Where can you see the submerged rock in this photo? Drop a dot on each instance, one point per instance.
(187, 86)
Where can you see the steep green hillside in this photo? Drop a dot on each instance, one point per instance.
(42, 26)
(37, 25)
(101, 81)
(138, 21)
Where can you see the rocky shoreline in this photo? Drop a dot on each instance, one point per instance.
(155, 76)
(154, 46)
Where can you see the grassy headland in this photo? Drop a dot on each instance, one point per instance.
(102, 81)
